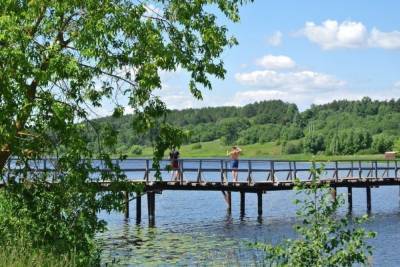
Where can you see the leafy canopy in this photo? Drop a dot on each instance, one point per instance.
(61, 59)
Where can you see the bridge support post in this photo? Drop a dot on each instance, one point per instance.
(138, 208)
(350, 198)
(126, 202)
(229, 198)
(151, 207)
(333, 192)
(259, 203)
(368, 198)
(242, 203)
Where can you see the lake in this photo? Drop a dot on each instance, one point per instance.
(194, 228)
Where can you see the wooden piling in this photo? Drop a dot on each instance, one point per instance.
(126, 202)
(151, 207)
(242, 202)
(333, 193)
(368, 198)
(350, 198)
(259, 203)
(138, 208)
(229, 198)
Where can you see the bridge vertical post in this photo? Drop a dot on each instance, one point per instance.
(126, 202)
(396, 169)
(352, 169)
(368, 198)
(336, 175)
(350, 198)
(138, 208)
(146, 174)
(151, 207)
(229, 196)
(199, 172)
(259, 203)
(222, 171)
(294, 169)
(249, 173)
(273, 171)
(359, 169)
(242, 203)
(181, 172)
(376, 169)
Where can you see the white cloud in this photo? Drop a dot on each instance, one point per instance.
(296, 82)
(349, 34)
(276, 62)
(386, 40)
(331, 34)
(275, 39)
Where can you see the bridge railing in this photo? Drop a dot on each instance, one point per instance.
(220, 170)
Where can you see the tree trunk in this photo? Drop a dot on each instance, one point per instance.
(4, 155)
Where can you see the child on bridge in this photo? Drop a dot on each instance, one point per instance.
(234, 154)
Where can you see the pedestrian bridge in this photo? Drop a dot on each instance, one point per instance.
(255, 176)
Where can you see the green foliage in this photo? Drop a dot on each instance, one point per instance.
(396, 146)
(19, 254)
(313, 143)
(349, 142)
(382, 143)
(196, 146)
(292, 148)
(136, 150)
(230, 129)
(61, 58)
(323, 238)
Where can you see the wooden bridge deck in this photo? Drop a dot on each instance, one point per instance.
(255, 176)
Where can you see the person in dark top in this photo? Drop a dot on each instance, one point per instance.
(174, 158)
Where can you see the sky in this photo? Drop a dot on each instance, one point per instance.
(303, 52)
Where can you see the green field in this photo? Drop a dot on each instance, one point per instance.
(269, 150)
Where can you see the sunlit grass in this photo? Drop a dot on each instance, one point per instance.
(21, 256)
(270, 150)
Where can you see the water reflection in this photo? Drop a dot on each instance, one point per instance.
(133, 245)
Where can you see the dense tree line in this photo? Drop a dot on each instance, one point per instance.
(339, 127)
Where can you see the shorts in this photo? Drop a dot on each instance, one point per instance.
(175, 165)
(235, 164)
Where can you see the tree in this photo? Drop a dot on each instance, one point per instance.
(382, 143)
(60, 59)
(313, 143)
(324, 239)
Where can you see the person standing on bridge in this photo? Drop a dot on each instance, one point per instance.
(234, 154)
(174, 158)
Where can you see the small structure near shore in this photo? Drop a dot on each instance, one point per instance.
(390, 155)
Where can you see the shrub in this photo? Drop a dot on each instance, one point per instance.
(382, 143)
(196, 146)
(396, 146)
(136, 150)
(314, 143)
(292, 148)
(324, 239)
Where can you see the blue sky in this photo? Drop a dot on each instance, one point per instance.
(305, 52)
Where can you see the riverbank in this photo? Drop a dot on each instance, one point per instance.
(270, 150)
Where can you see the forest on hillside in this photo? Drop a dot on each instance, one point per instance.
(338, 128)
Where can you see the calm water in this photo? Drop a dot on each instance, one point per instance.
(194, 228)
